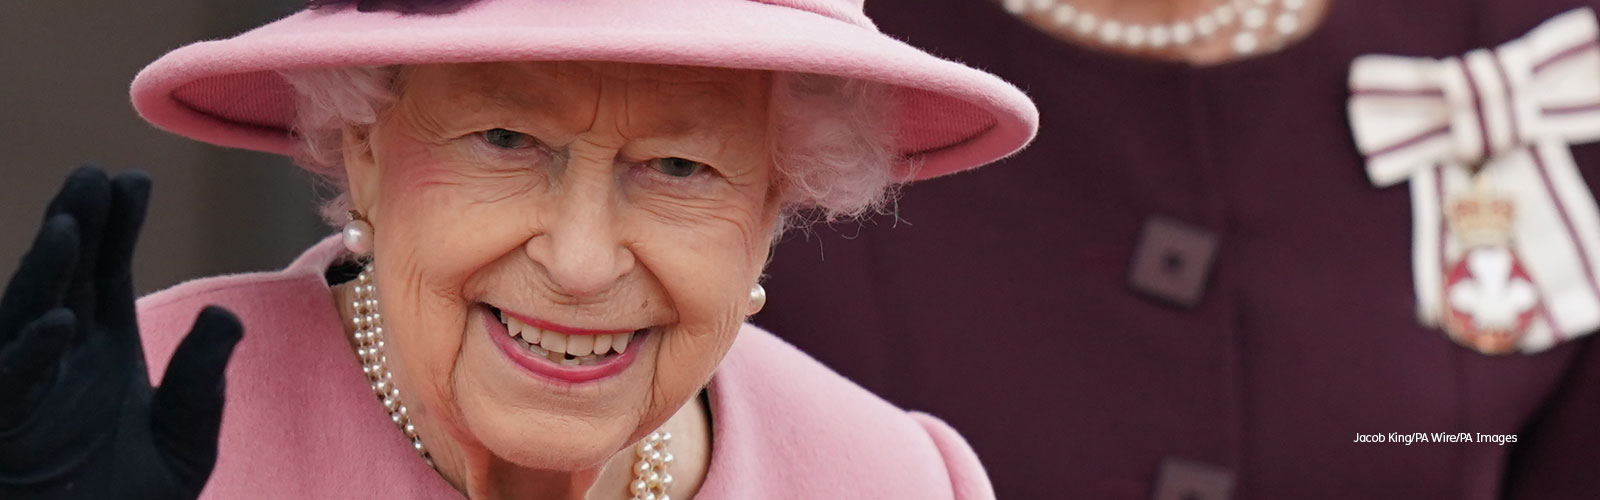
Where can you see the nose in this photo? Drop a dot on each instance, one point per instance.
(581, 248)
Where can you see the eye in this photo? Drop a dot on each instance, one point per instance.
(506, 139)
(678, 167)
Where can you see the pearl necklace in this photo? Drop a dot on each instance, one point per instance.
(369, 348)
(650, 477)
(1250, 14)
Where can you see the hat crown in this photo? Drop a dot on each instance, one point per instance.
(230, 92)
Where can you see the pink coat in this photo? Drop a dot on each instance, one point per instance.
(301, 422)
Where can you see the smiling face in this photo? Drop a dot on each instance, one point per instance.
(582, 198)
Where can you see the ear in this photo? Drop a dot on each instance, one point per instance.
(361, 168)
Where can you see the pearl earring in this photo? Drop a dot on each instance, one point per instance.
(358, 234)
(758, 298)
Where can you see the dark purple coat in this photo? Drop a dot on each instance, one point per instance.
(1001, 301)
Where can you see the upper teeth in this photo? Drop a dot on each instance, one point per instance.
(576, 345)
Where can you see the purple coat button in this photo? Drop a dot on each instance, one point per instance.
(1183, 479)
(1172, 261)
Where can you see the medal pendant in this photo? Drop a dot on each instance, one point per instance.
(1489, 298)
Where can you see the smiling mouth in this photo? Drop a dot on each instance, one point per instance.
(564, 349)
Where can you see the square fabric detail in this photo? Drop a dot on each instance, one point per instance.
(1172, 260)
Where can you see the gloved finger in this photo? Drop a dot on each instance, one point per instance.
(186, 412)
(41, 279)
(25, 363)
(86, 196)
(130, 196)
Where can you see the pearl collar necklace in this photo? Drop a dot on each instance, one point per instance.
(650, 477)
(1250, 14)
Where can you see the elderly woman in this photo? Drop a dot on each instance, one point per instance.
(556, 216)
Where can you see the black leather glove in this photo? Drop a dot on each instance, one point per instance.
(78, 417)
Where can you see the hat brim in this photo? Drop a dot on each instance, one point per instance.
(227, 92)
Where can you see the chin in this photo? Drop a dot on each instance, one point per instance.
(537, 422)
(547, 442)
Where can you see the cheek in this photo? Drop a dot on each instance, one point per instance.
(704, 250)
(454, 211)
(706, 263)
(435, 230)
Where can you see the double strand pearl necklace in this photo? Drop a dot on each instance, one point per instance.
(650, 477)
(369, 348)
(1247, 39)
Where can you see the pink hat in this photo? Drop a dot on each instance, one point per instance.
(227, 92)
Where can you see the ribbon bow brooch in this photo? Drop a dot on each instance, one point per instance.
(1506, 236)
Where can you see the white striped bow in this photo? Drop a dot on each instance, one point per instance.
(1482, 136)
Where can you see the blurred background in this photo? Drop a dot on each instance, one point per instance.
(64, 102)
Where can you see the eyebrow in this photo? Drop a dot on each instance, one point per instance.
(703, 100)
(712, 99)
(514, 98)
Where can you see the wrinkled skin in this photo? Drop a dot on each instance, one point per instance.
(594, 195)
